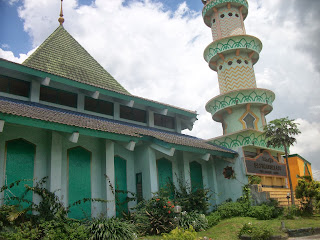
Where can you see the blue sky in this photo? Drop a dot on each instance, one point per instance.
(15, 39)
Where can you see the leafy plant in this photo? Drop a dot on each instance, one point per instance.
(254, 179)
(193, 219)
(111, 229)
(262, 212)
(155, 216)
(308, 191)
(232, 209)
(180, 234)
(256, 231)
(189, 199)
(213, 219)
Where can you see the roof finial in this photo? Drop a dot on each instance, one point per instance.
(61, 19)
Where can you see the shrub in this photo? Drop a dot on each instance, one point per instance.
(193, 219)
(111, 229)
(213, 219)
(189, 199)
(181, 234)
(262, 212)
(232, 209)
(253, 179)
(256, 231)
(155, 216)
(308, 191)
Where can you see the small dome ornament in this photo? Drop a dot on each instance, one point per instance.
(61, 19)
(204, 2)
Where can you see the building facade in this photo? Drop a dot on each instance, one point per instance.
(64, 117)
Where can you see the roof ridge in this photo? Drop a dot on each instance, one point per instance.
(61, 54)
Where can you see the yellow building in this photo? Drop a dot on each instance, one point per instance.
(298, 167)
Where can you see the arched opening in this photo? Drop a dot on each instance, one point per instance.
(120, 173)
(19, 165)
(79, 176)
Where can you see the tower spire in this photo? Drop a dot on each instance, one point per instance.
(61, 19)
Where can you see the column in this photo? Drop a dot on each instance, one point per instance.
(110, 181)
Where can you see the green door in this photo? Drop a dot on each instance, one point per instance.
(79, 182)
(120, 173)
(164, 172)
(196, 176)
(19, 166)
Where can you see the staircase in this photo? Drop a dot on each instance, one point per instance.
(280, 194)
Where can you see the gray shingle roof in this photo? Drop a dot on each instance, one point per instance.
(62, 55)
(66, 117)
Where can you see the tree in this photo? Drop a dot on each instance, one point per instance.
(308, 191)
(280, 133)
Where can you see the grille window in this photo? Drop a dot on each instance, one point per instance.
(133, 114)
(14, 86)
(163, 121)
(58, 96)
(98, 106)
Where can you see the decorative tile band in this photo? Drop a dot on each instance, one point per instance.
(232, 42)
(214, 3)
(249, 138)
(238, 97)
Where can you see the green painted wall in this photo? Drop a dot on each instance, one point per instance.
(196, 176)
(79, 182)
(120, 173)
(19, 165)
(164, 172)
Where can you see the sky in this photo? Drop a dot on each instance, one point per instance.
(154, 48)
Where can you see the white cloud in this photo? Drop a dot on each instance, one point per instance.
(157, 54)
(10, 56)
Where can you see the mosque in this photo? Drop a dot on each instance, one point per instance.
(63, 116)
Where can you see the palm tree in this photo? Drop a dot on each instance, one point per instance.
(280, 133)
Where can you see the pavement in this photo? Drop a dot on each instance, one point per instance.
(313, 237)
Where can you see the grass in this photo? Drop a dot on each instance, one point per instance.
(228, 229)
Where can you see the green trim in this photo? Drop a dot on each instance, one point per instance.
(192, 149)
(41, 74)
(213, 4)
(230, 43)
(243, 96)
(297, 155)
(65, 128)
(248, 138)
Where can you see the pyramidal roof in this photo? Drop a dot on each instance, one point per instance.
(60, 54)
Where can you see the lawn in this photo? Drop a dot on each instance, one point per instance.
(228, 229)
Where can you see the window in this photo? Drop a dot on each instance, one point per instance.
(249, 120)
(133, 114)
(14, 86)
(163, 121)
(58, 96)
(98, 106)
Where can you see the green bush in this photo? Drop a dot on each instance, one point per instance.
(232, 209)
(256, 231)
(193, 219)
(155, 216)
(308, 191)
(189, 199)
(213, 219)
(180, 234)
(111, 229)
(262, 212)
(47, 230)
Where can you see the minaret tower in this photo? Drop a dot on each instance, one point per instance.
(241, 106)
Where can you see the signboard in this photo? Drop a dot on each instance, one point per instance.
(265, 164)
